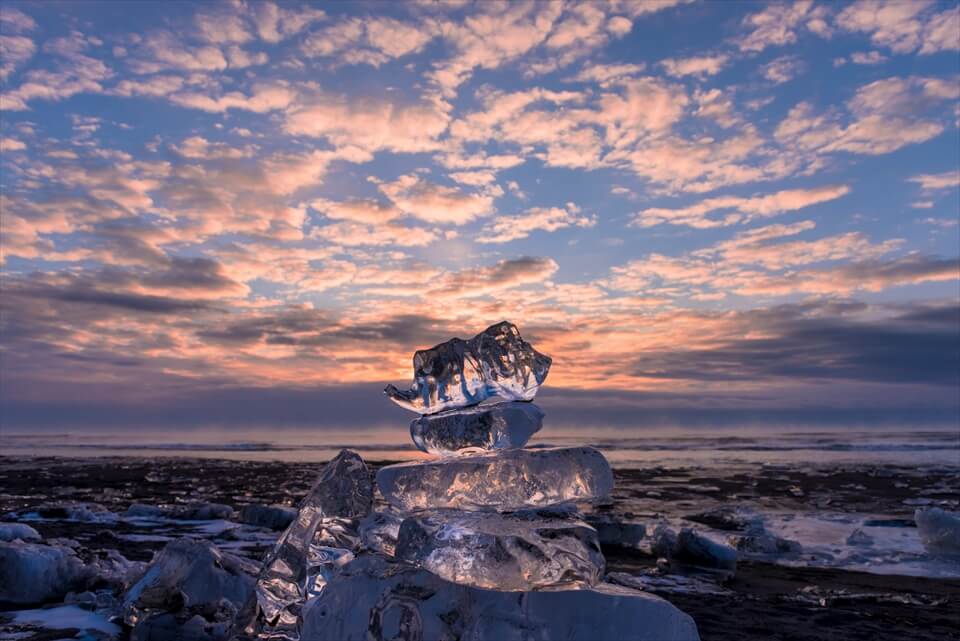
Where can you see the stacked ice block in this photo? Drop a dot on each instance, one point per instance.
(483, 541)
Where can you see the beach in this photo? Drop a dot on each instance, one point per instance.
(832, 586)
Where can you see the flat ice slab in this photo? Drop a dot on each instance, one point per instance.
(376, 599)
(504, 481)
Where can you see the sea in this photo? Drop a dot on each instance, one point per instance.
(700, 446)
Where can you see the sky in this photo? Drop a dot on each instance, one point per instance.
(248, 212)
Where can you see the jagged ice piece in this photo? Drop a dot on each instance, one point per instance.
(487, 427)
(318, 540)
(504, 481)
(497, 362)
(519, 551)
(939, 530)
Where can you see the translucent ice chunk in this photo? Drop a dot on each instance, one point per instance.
(488, 427)
(374, 600)
(502, 552)
(188, 578)
(379, 530)
(694, 549)
(505, 481)
(318, 540)
(939, 530)
(495, 362)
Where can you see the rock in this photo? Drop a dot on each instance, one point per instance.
(274, 517)
(486, 427)
(188, 579)
(504, 481)
(14, 531)
(34, 573)
(939, 530)
(375, 600)
(497, 362)
(84, 512)
(502, 552)
(691, 548)
(757, 541)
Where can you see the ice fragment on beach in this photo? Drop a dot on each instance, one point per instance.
(939, 530)
(725, 518)
(375, 600)
(618, 533)
(313, 546)
(32, 573)
(185, 580)
(13, 531)
(497, 362)
(859, 537)
(504, 481)
(502, 552)
(487, 427)
(691, 548)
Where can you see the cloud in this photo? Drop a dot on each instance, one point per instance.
(807, 342)
(11, 144)
(607, 74)
(359, 211)
(782, 69)
(904, 27)
(275, 23)
(162, 51)
(504, 275)
(14, 51)
(745, 209)
(262, 99)
(198, 147)
(372, 40)
(436, 203)
(778, 23)
(222, 27)
(369, 124)
(696, 66)
(868, 275)
(503, 229)
(937, 182)
(154, 86)
(355, 234)
(74, 72)
(15, 21)
(883, 116)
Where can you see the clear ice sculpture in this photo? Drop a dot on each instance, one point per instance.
(510, 552)
(497, 362)
(484, 427)
(375, 599)
(320, 540)
(505, 480)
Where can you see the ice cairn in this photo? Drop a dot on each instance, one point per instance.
(481, 542)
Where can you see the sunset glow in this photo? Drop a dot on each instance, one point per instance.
(686, 204)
